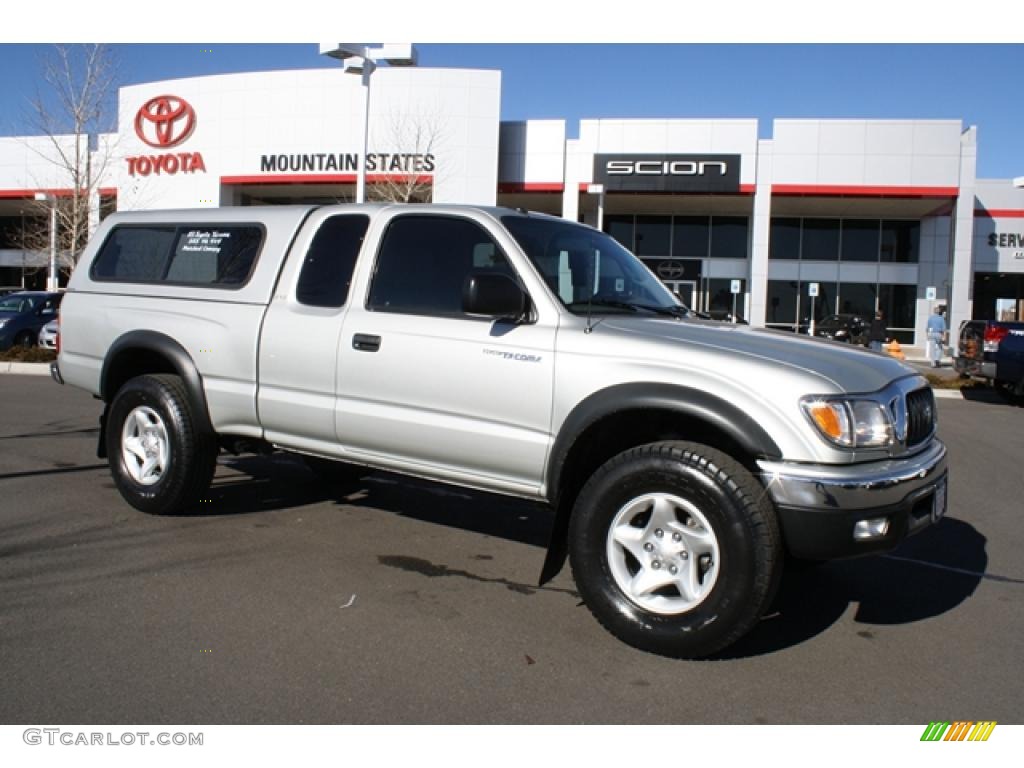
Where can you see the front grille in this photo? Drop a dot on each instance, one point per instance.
(920, 415)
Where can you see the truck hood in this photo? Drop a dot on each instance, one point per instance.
(850, 369)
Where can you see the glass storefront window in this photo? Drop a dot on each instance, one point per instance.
(690, 236)
(785, 239)
(899, 303)
(729, 237)
(820, 240)
(901, 241)
(653, 235)
(860, 240)
(621, 228)
(720, 297)
(857, 299)
(781, 305)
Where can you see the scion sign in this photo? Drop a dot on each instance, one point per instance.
(668, 173)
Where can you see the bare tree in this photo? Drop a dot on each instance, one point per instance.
(415, 139)
(78, 103)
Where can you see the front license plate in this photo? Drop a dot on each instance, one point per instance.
(939, 501)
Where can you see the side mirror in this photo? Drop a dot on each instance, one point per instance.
(493, 295)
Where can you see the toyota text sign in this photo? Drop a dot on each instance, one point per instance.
(668, 173)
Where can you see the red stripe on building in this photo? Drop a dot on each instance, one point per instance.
(999, 213)
(862, 191)
(29, 194)
(531, 186)
(323, 178)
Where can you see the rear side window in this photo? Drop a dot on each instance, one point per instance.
(221, 256)
(327, 270)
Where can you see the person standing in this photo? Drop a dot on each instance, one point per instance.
(876, 333)
(936, 333)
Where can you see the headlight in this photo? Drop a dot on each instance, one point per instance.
(3, 323)
(850, 423)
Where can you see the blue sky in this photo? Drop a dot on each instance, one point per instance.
(979, 84)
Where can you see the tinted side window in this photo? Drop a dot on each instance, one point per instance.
(424, 261)
(327, 271)
(134, 253)
(204, 254)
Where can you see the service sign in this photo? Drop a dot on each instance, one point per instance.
(668, 173)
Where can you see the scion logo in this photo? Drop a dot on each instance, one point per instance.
(668, 173)
(165, 121)
(671, 270)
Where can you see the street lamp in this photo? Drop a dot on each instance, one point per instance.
(361, 59)
(51, 277)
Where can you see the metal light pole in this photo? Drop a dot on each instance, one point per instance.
(51, 277)
(361, 59)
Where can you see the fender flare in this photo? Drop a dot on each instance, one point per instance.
(182, 362)
(743, 429)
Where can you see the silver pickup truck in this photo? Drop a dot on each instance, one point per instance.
(510, 352)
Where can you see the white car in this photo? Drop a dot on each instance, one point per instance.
(48, 335)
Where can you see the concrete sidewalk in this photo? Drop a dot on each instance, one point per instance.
(27, 369)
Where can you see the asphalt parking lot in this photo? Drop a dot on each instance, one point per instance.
(406, 602)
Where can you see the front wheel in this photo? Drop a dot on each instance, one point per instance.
(160, 460)
(675, 548)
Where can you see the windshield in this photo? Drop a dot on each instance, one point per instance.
(588, 270)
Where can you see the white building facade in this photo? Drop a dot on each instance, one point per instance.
(823, 217)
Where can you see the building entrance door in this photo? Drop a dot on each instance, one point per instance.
(686, 290)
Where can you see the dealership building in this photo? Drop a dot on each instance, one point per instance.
(823, 217)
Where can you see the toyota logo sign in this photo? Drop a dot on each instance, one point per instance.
(165, 121)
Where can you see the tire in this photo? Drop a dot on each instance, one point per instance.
(718, 530)
(25, 340)
(1010, 392)
(335, 473)
(160, 461)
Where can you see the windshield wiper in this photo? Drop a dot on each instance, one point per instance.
(630, 306)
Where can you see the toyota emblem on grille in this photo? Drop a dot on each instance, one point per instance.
(165, 121)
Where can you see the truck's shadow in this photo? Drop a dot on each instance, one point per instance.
(281, 482)
(930, 574)
(926, 576)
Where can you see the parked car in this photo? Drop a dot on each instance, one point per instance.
(48, 334)
(23, 314)
(993, 352)
(852, 329)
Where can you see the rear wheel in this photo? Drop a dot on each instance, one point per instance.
(1011, 392)
(160, 460)
(675, 548)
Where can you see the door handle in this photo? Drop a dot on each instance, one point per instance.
(365, 342)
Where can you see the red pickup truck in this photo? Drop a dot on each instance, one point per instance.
(993, 351)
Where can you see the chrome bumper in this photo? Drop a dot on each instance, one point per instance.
(820, 507)
(853, 486)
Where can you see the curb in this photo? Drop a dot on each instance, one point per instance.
(948, 394)
(26, 369)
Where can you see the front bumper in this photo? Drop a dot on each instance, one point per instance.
(820, 506)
